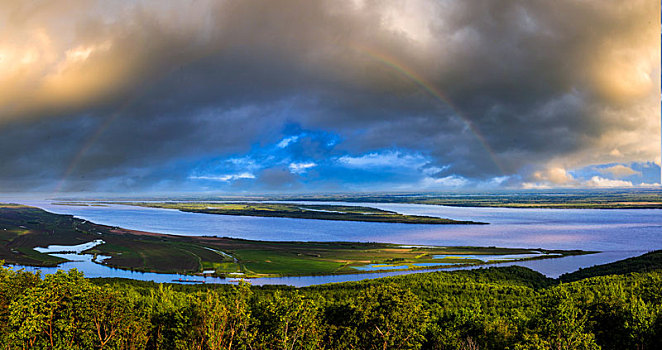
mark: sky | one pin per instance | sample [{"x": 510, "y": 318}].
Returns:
[{"x": 167, "y": 96}]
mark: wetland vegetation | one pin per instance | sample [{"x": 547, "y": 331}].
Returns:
[{"x": 23, "y": 228}]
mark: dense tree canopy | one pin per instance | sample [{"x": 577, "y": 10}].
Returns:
[{"x": 496, "y": 308}]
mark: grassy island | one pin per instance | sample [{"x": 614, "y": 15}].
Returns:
[{"x": 294, "y": 211}]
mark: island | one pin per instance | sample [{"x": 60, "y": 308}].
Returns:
[{"x": 293, "y": 211}]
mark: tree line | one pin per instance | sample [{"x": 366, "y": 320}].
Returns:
[{"x": 496, "y": 308}]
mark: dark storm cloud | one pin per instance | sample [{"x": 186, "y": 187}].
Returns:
[{"x": 121, "y": 93}]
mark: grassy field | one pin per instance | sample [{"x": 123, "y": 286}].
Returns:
[
  {"x": 632, "y": 198},
  {"x": 23, "y": 228},
  {"x": 623, "y": 198},
  {"x": 296, "y": 211},
  {"x": 571, "y": 199}
]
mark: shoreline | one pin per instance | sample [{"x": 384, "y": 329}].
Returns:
[{"x": 143, "y": 251}]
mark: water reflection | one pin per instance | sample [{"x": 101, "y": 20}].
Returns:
[
  {"x": 78, "y": 248},
  {"x": 495, "y": 257},
  {"x": 587, "y": 229},
  {"x": 618, "y": 234}
]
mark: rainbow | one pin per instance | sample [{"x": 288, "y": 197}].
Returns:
[
  {"x": 100, "y": 130},
  {"x": 426, "y": 86},
  {"x": 380, "y": 57},
  {"x": 86, "y": 147}
]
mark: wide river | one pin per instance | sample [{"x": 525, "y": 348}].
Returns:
[{"x": 616, "y": 233}]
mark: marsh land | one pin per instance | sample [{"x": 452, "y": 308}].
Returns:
[{"x": 23, "y": 228}]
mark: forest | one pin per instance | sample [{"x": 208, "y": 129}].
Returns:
[{"x": 493, "y": 308}]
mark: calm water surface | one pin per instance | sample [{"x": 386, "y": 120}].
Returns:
[{"x": 617, "y": 233}]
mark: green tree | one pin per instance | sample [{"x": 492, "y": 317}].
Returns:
[
  {"x": 340, "y": 320},
  {"x": 560, "y": 324},
  {"x": 639, "y": 322},
  {"x": 171, "y": 315},
  {"x": 52, "y": 315},
  {"x": 222, "y": 319},
  {"x": 117, "y": 319},
  {"x": 287, "y": 321},
  {"x": 390, "y": 317},
  {"x": 12, "y": 285}
]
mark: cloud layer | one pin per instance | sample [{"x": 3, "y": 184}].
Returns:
[{"x": 163, "y": 95}]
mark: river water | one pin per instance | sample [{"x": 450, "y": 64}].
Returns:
[{"x": 616, "y": 233}]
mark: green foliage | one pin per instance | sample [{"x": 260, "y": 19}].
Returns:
[
  {"x": 53, "y": 313},
  {"x": 223, "y": 319},
  {"x": 171, "y": 317},
  {"x": 496, "y": 308},
  {"x": 119, "y": 319},
  {"x": 65, "y": 311},
  {"x": 559, "y": 323},
  {"x": 12, "y": 284},
  {"x": 287, "y": 322},
  {"x": 390, "y": 317}
]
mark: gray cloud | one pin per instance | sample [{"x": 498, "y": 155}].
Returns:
[
  {"x": 98, "y": 91},
  {"x": 278, "y": 178}
]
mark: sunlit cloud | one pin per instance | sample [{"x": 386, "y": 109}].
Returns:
[
  {"x": 619, "y": 171},
  {"x": 597, "y": 181},
  {"x": 554, "y": 175}
]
